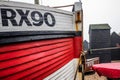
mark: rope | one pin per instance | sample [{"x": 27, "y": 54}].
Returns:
[{"x": 63, "y": 6}]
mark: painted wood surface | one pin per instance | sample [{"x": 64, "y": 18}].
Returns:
[
  {"x": 31, "y": 15},
  {"x": 34, "y": 60}
]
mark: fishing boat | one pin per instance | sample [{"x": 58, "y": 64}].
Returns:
[{"x": 39, "y": 42}]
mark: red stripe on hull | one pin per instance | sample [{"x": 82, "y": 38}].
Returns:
[
  {"x": 77, "y": 46},
  {"x": 35, "y": 60},
  {"x": 37, "y": 55}
]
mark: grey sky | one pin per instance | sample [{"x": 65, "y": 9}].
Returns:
[{"x": 95, "y": 12}]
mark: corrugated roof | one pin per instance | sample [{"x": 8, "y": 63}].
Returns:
[{"x": 99, "y": 26}]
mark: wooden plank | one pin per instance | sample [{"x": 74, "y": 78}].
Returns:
[
  {"x": 36, "y": 58},
  {"x": 30, "y": 58},
  {"x": 32, "y": 70}
]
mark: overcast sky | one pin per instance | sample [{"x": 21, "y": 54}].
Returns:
[{"x": 95, "y": 12}]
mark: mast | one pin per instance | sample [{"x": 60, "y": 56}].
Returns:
[{"x": 36, "y": 1}]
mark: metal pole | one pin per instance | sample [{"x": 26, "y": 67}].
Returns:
[{"x": 109, "y": 48}]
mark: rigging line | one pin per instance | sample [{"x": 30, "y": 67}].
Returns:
[{"x": 63, "y": 6}]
